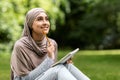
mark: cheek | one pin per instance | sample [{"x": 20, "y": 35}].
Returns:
[
  {"x": 36, "y": 28},
  {"x": 49, "y": 24},
  {"x": 36, "y": 25}
]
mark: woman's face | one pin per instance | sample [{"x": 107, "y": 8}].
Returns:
[{"x": 41, "y": 24}]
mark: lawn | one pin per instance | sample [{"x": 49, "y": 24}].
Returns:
[
  {"x": 4, "y": 66},
  {"x": 98, "y": 65}
]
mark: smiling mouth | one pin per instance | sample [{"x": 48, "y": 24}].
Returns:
[{"x": 45, "y": 27}]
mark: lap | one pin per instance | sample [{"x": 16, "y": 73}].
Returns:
[
  {"x": 50, "y": 74},
  {"x": 59, "y": 72},
  {"x": 63, "y": 72}
]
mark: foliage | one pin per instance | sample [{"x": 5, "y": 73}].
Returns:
[
  {"x": 91, "y": 24},
  {"x": 88, "y": 24},
  {"x": 12, "y": 15}
]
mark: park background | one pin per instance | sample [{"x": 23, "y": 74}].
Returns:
[{"x": 91, "y": 25}]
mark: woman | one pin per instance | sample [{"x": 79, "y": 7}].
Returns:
[{"x": 34, "y": 53}]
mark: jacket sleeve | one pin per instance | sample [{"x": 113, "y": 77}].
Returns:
[{"x": 45, "y": 65}]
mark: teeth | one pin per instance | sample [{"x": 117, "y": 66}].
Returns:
[{"x": 44, "y": 27}]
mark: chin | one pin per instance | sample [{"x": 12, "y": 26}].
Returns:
[{"x": 46, "y": 32}]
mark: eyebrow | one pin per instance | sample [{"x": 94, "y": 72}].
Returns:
[{"x": 41, "y": 16}]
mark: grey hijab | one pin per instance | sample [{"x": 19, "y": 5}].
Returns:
[{"x": 30, "y": 17}]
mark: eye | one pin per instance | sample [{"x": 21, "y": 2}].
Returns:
[
  {"x": 47, "y": 18},
  {"x": 39, "y": 18}
]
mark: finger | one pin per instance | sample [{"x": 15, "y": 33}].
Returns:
[{"x": 69, "y": 61}]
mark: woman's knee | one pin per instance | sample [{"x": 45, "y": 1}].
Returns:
[
  {"x": 65, "y": 74},
  {"x": 57, "y": 68}
]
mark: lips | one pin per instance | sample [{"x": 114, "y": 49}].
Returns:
[
  {"x": 45, "y": 30},
  {"x": 44, "y": 27}
]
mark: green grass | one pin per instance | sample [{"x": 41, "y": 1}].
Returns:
[
  {"x": 4, "y": 66},
  {"x": 98, "y": 65}
]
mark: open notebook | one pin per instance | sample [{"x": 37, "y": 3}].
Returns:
[{"x": 66, "y": 57}]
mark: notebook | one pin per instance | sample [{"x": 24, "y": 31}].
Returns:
[{"x": 66, "y": 57}]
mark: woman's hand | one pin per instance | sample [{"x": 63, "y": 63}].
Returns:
[
  {"x": 50, "y": 50},
  {"x": 69, "y": 61}
]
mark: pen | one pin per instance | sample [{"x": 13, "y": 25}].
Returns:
[{"x": 47, "y": 38}]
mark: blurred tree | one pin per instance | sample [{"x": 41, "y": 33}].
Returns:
[
  {"x": 12, "y": 15},
  {"x": 89, "y": 24},
  {"x": 9, "y": 24}
]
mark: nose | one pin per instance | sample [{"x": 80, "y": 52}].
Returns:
[{"x": 45, "y": 21}]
